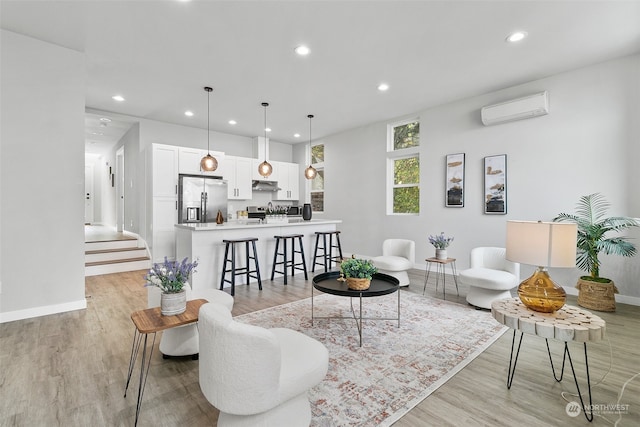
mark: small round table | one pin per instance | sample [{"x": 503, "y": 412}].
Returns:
[
  {"x": 440, "y": 264},
  {"x": 381, "y": 284},
  {"x": 567, "y": 324}
]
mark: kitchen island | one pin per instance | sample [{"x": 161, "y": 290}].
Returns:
[{"x": 203, "y": 242}]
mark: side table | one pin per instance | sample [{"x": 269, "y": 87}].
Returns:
[
  {"x": 567, "y": 324},
  {"x": 151, "y": 321},
  {"x": 440, "y": 266}
]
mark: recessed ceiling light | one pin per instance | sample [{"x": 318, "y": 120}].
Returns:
[
  {"x": 188, "y": 113},
  {"x": 382, "y": 87},
  {"x": 118, "y": 98},
  {"x": 302, "y": 50},
  {"x": 105, "y": 119},
  {"x": 267, "y": 129},
  {"x": 296, "y": 135},
  {"x": 516, "y": 36},
  {"x": 232, "y": 122}
]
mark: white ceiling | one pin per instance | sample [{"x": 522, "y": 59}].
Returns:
[{"x": 160, "y": 54}]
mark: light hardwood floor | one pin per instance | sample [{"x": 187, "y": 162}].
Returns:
[{"x": 69, "y": 369}]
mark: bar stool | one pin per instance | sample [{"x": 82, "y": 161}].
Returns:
[
  {"x": 236, "y": 271},
  {"x": 327, "y": 250},
  {"x": 286, "y": 261}
]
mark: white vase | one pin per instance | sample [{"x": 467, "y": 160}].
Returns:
[
  {"x": 172, "y": 304},
  {"x": 441, "y": 254}
]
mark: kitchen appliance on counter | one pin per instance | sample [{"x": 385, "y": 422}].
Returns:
[
  {"x": 259, "y": 212},
  {"x": 294, "y": 211},
  {"x": 200, "y": 198}
]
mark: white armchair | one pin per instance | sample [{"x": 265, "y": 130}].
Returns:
[
  {"x": 257, "y": 377},
  {"x": 183, "y": 340},
  {"x": 490, "y": 276},
  {"x": 398, "y": 256}
]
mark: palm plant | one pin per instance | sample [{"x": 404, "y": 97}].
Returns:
[{"x": 593, "y": 227}]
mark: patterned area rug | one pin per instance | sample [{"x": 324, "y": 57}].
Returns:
[{"x": 396, "y": 368}]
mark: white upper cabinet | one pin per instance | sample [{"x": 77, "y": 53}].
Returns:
[
  {"x": 165, "y": 170},
  {"x": 288, "y": 181},
  {"x": 189, "y": 161},
  {"x": 237, "y": 172}
]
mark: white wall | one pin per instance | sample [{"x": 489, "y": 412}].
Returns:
[
  {"x": 43, "y": 202},
  {"x": 588, "y": 143}
]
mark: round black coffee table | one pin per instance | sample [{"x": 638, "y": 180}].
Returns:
[{"x": 381, "y": 284}]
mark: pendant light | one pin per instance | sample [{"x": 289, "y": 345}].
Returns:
[
  {"x": 208, "y": 162},
  {"x": 265, "y": 168},
  {"x": 310, "y": 172}
]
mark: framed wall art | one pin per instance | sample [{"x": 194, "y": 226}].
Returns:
[
  {"x": 495, "y": 184},
  {"x": 455, "y": 181}
]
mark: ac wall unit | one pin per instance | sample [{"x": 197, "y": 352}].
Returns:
[{"x": 516, "y": 109}]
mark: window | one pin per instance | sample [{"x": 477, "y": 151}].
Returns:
[
  {"x": 404, "y": 168},
  {"x": 317, "y": 184}
]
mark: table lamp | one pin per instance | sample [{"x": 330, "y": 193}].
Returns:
[{"x": 543, "y": 244}]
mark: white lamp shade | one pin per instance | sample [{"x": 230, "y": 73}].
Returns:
[{"x": 544, "y": 244}]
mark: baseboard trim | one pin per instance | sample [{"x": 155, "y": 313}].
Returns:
[{"x": 46, "y": 310}]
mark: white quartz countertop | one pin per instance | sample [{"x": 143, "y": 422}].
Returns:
[{"x": 242, "y": 224}]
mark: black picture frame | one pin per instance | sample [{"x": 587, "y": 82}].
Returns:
[
  {"x": 495, "y": 185},
  {"x": 454, "y": 181}
]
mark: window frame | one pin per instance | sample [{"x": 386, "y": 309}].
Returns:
[
  {"x": 318, "y": 167},
  {"x": 392, "y": 156}
]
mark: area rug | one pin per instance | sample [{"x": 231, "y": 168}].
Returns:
[{"x": 396, "y": 368}]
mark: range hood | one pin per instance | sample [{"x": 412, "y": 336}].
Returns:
[{"x": 265, "y": 186}]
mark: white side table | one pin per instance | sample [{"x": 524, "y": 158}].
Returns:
[{"x": 567, "y": 324}]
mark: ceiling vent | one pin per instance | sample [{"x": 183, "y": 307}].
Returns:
[{"x": 517, "y": 109}]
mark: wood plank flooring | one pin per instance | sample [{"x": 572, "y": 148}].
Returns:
[{"x": 69, "y": 369}]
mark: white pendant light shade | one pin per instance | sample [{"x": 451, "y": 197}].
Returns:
[
  {"x": 208, "y": 162},
  {"x": 310, "y": 172},
  {"x": 264, "y": 168}
]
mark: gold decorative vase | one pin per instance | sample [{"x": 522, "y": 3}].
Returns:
[{"x": 540, "y": 293}]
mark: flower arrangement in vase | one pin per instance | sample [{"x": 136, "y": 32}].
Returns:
[
  {"x": 171, "y": 278},
  {"x": 441, "y": 243}
]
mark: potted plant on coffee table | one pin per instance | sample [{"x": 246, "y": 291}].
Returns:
[
  {"x": 358, "y": 273},
  {"x": 594, "y": 236},
  {"x": 171, "y": 277}
]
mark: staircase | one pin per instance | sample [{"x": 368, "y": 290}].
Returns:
[{"x": 114, "y": 256}]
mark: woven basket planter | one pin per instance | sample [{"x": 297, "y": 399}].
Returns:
[
  {"x": 358, "y": 284},
  {"x": 597, "y": 296}
]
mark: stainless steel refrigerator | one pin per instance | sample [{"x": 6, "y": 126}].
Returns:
[{"x": 200, "y": 198}]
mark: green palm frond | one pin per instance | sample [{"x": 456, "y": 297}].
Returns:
[{"x": 593, "y": 225}]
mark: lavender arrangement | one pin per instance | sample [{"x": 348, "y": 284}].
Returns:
[
  {"x": 170, "y": 276},
  {"x": 440, "y": 241}
]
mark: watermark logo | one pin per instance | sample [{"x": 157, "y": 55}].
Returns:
[{"x": 572, "y": 409}]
